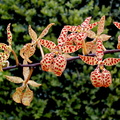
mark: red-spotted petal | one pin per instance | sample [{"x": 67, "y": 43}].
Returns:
[
  {"x": 47, "y": 61},
  {"x": 48, "y": 44},
  {"x": 70, "y": 39},
  {"x": 79, "y": 38},
  {"x": 111, "y": 61},
  {"x": 86, "y": 22},
  {"x": 101, "y": 25},
  {"x": 99, "y": 50},
  {"x": 96, "y": 78},
  {"x": 70, "y": 48},
  {"x": 89, "y": 60},
  {"x": 90, "y": 26},
  {"x": 9, "y": 34},
  {"x": 117, "y": 24},
  {"x": 107, "y": 78},
  {"x": 63, "y": 35},
  {"x": 59, "y": 65}
]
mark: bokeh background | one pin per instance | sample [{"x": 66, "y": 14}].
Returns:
[{"x": 70, "y": 96}]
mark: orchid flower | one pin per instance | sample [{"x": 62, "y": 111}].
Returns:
[
  {"x": 29, "y": 49},
  {"x": 6, "y": 48},
  {"x": 56, "y": 60},
  {"x": 91, "y": 46},
  {"x": 78, "y": 34},
  {"x": 23, "y": 93},
  {"x": 100, "y": 77},
  {"x": 118, "y": 26}
]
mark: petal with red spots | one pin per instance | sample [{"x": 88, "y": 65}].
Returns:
[
  {"x": 117, "y": 24},
  {"x": 48, "y": 44},
  {"x": 111, "y": 61},
  {"x": 89, "y": 60},
  {"x": 101, "y": 25},
  {"x": 59, "y": 65},
  {"x": 46, "y": 62}
]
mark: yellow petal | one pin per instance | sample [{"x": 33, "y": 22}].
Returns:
[
  {"x": 27, "y": 97},
  {"x": 17, "y": 96},
  {"x": 26, "y": 70},
  {"x": 33, "y": 83},
  {"x": 14, "y": 79},
  {"x": 32, "y": 33}
]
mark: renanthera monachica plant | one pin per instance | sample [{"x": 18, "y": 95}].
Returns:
[{"x": 71, "y": 39}]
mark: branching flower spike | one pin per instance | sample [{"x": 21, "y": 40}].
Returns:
[
  {"x": 56, "y": 60},
  {"x": 23, "y": 93},
  {"x": 91, "y": 46},
  {"x": 100, "y": 77},
  {"x": 29, "y": 49}
]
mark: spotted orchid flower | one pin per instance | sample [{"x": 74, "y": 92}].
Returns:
[
  {"x": 91, "y": 46},
  {"x": 23, "y": 93},
  {"x": 78, "y": 33},
  {"x": 6, "y": 48},
  {"x": 100, "y": 77},
  {"x": 29, "y": 49},
  {"x": 56, "y": 60},
  {"x": 117, "y": 24}
]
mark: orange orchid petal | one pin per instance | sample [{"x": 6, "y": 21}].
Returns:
[
  {"x": 47, "y": 61},
  {"x": 48, "y": 44},
  {"x": 117, "y": 24},
  {"x": 17, "y": 96},
  {"x": 107, "y": 78},
  {"x": 96, "y": 78},
  {"x": 9, "y": 34},
  {"x": 59, "y": 65},
  {"x": 89, "y": 60},
  {"x": 27, "y": 97},
  {"x": 101, "y": 79},
  {"x": 111, "y": 61},
  {"x": 70, "y": 48},
  {"x": 101, "y": 25}
]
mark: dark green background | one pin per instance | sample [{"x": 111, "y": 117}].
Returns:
[{"x": 71, "y": 96}]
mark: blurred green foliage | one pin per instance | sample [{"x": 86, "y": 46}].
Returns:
[{"x": 71, "y": 96}]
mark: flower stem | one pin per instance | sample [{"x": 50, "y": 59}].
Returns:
[{"x": 16, "y": 58}]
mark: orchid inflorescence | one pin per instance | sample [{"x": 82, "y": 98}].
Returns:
[{"x": 71, "y": 39}]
